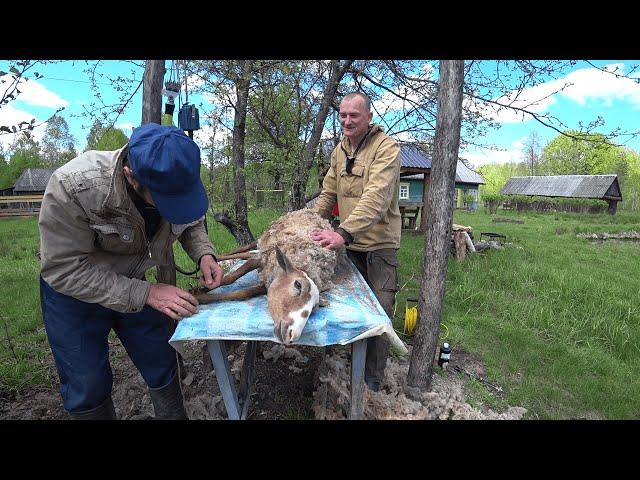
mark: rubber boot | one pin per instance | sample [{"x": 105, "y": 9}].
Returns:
[
  {"x": 106, "y": 411},
  {"x": 167, "y": 401}
]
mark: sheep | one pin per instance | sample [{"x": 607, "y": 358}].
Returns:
[{"x": 293, "y": 271}]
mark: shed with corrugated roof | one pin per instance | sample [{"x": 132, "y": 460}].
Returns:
[{"x": 600, "y": 187}]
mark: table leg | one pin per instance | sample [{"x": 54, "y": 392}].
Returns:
[
  {"x": 358, "y": 356},
  {"x": 247, "y": 378},
  {"x": 224, "y": 377}
]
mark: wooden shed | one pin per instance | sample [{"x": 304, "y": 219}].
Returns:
[
  {"x": 599, "y": 187},
  {"x": 26, "y": 194}
]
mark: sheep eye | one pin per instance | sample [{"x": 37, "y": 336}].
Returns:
[{"x": 298, "y": 285}]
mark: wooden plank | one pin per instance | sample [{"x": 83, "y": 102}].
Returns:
[{"x": 20, "y": 198}]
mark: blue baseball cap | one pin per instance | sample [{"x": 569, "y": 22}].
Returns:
[{"x": 167, "y": 162}]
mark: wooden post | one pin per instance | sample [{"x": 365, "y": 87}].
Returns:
[{"x": 425, "y": 201}]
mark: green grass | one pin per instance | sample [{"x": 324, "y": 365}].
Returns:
[{"x": 553, "y": 317}]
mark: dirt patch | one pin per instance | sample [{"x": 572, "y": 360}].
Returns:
[
  {"x": 291, "y": 383},
  {"x": 282, "y": 390}
]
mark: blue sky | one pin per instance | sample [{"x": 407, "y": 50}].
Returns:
[{"x": 588, "y": 94}]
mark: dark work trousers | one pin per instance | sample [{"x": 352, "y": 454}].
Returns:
[
  {"x": 78, "y": 335},
  {"x": 380, "y": 269}
]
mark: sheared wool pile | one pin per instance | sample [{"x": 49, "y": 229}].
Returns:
[
  {"x": 291, "y": 233},
  {"x": 396, "y": 401}
]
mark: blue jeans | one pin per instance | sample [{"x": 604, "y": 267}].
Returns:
[{"x": 78, "y": 335}]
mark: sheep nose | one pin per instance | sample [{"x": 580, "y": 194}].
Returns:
[
  {"x": 283, "y": 333},
  {"x": 290, "y": 335}
]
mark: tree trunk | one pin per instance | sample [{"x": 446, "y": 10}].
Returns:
[
  {"x": 152, "y": 91},
  {"x": 237, "y": 151},
  {"x": 241, "y": 233},
  {"x": 439, "y": 223},
  {"x": 338, "y": 71}
]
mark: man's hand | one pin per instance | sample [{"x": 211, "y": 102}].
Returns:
[
  {"x": 327, "y": 238},
  {"x": 211, "y": 272},
  {"x": 172, "y": 301}
]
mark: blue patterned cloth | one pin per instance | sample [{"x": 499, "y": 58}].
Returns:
[{"x": 353, "y": 313}]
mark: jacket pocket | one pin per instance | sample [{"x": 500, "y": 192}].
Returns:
[
  {"x": 116, "y": 238},
  {"x": 353, "y": 184},
  {"x": 382, "y": 270}
]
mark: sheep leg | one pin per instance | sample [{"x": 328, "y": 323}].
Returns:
[
  {"x": 241, "y": 255},
  {"x": 244, "y": 248},
  {"x": 204, "y": 298},
  {"x": 245, "y": 268}
]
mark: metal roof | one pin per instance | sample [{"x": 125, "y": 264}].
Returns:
[
  {"x": 463, "y": 175},
  {"x": 412, "y": 156},
  {"x": 582, "y": 186},
  {"x": 33, "y": 180}
]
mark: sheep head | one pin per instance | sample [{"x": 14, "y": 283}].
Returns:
[{"x": 291, "y": 297}]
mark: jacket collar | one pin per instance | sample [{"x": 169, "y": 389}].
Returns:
[
  {"x": 375, "y": 128},
  {"x": 118, "y": 198}
]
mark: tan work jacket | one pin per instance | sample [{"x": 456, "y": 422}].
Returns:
[
  {"x": 92, "y": 238},
  {"x": 368, "y": 197}
]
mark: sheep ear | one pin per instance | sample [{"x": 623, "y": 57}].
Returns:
[{"x": 283, "y": 261}]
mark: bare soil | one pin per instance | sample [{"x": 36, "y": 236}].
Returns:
[{"x": 291, "y": 383}]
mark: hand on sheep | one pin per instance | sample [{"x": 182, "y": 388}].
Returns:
[
  {"x": 211, "y": 272},
  {"x": 172, "y": 301},
  {"x": 327, "y": 238}
]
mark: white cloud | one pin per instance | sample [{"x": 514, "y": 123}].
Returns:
[
  {"x": 593, "y": 84},
  {"x": 390, "y": 102},
  {"x": 581, "y": 86},
  {"x": 126, "y": 127},
  {"x": 9, "y": 116},
  {"x": 483, "y": 156},
  {"x": 36, "y": 94},
  {"x": 203, "y": 136}
]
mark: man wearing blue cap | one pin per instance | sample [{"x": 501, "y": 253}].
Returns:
[{"x": 107, "y": 218}]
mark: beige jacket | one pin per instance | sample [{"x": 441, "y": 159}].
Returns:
[
  {"x": 368, "y": 197},
  {"x": 92, "y": 239}
]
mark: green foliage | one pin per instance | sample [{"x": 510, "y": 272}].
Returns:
[
  {"x": 494, "y": 197},
  {"x": 58, "y": 145},
  {"x": 496, "y": 176},
  {"x": 105, "y": 138},
  {"x": 25, "y": 154},
  {"x": 112, "y": 139}
]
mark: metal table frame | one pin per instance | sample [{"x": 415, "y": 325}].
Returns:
[{"x": 237, "y": 402}]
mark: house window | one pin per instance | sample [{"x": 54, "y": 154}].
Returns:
[{"x": 404, "y": 191}]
